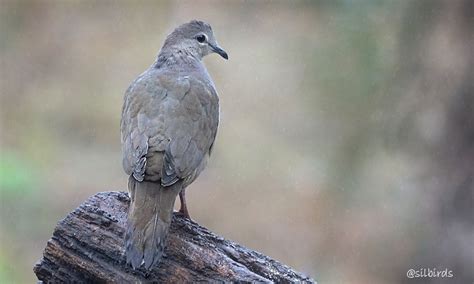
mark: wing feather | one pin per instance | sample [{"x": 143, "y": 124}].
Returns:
[{"x": 168, "y": 127}]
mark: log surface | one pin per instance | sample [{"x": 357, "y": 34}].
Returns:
[{"x": 87, "y": 246}]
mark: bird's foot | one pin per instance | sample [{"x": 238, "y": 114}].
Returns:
[{"x": 184, "y": 212}]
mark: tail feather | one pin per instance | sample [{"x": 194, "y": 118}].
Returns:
[{"x": 149, "y": 218}]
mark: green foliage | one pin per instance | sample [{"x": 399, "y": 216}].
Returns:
[
  {"x": 16, "y": 175},
  {"x": 6, "y": 271}
]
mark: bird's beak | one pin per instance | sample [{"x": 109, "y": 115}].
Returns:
[{"x": 219, "y": 51}]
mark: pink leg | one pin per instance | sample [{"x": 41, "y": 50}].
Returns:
[{"x": 184, "y": 209}]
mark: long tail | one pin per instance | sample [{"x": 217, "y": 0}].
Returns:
[{"x": 149, "y": 218}]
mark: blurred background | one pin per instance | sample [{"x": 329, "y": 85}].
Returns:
[{"x": 346, "y": 141}]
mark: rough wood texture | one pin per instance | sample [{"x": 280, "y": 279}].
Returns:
[{"x": 87, "y": 247}]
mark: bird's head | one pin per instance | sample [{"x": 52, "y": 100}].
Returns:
[{"x": 195, "y": 38}]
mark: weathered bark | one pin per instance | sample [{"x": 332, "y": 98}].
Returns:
[{"x": 87, "y": 247}]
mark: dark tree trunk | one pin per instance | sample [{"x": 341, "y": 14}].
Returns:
[{"x": 87, "y": 247}]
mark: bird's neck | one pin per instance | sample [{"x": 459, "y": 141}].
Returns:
[{"x": 177, "y": 58}]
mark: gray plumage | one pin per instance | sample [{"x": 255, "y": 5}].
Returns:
[{"x": 169, "y": 123}]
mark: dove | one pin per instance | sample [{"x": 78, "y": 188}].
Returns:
[{"x": 168, "y": 126}]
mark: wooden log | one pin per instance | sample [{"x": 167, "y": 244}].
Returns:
[{"x": 87, "y": 246}]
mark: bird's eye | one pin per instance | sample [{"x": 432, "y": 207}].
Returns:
[{"x": 201, "y": 38}]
